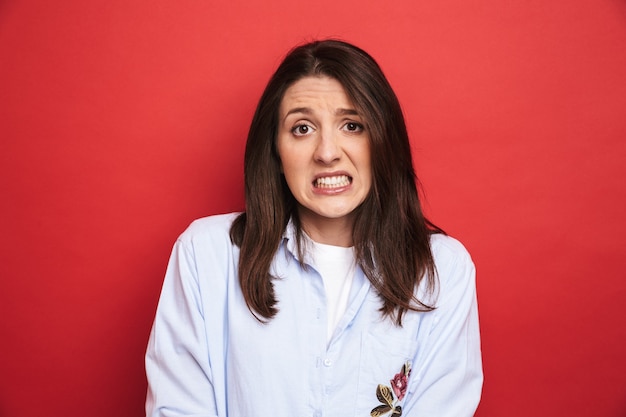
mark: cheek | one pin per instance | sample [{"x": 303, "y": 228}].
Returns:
[
  {"x": 366, "y": 162},
  {"x": 287, "y": 167},
  {"x": 292, "y": 171},
  {"x": 291, "y": 162}
]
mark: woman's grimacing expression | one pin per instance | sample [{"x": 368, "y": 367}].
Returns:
[{"x": 324, "y": 149}]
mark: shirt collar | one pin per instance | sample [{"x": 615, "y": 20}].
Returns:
[
  {"x": 290, "y": 240},
  {"x": 360, "y": 285},
  {"x": 289, "y": 236}
]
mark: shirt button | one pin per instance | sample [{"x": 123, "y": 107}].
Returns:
[{"x": 327, "y": 362}]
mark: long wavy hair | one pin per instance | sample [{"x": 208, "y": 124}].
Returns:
[{"x": 391, "y": 235}]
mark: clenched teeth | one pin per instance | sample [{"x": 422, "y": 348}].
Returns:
[{"x": 332, "y": 182}]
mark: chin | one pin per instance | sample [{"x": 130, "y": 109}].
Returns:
[{"x": 334, "y": 214}]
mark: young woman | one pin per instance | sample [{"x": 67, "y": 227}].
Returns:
[{"x": 331, "y": 295}]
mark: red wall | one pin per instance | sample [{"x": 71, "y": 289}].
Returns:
[{"x": 120, "y": 122}]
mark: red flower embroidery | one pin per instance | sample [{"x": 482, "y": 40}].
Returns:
[
  {"x": 384, "y": 394},
  {"x": 398, "y": 384}
]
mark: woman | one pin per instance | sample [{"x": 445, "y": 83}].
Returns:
[{"x": 331, "y": 295}]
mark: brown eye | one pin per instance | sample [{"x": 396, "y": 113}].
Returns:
[
  {"x": 301, "y": 130},
  {"x": 353, "y": 127}
]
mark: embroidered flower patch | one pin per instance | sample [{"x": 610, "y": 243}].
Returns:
[{"x": 385, "y": 394}]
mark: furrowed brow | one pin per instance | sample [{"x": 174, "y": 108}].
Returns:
[
  {"x": 347, "y": 112},
  {"x": 301, "y": 110}
]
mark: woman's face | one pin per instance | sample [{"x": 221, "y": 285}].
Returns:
[{"x": 324, "y": 148}]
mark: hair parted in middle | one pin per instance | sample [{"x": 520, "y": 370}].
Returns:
[{"x": 391, "y": 236}]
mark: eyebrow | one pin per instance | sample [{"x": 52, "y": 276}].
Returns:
[
  {"x": 303, "y": 110},
  {"x": 307, "y": 111}
]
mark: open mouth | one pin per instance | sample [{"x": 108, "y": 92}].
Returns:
[{"x": 332, "y": 182}]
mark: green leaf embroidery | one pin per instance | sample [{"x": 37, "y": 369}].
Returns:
[{"x": 384, "y": 395}]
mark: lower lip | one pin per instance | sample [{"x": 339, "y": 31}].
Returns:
[{"x": 331, "y": 191}]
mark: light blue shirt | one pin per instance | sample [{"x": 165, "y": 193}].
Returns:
[{"x": 209, "y": 356}]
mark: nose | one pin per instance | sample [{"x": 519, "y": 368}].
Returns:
[{"x": 327, "y": 149}]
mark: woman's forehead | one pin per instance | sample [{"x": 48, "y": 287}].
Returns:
[{"x": 313, "y": 93}]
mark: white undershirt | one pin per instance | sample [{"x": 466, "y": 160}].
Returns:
[{"x": 336, "y": 266}]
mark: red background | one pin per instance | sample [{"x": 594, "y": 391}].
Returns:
[{"x": 120, "y": 122}]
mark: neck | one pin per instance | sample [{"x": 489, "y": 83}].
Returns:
[{"x": 336, "y": 232}]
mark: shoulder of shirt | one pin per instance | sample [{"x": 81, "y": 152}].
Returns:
[
  {"x": 448, "y": 251},
  {"x": 455, "y": 268},
  {"x": 447, "y": 246},
  {"x": 214, "y": 228}
]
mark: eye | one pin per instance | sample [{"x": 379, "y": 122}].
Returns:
[
  {"x": 353, "y": 127},
  {"x": 301, "y": 129}
]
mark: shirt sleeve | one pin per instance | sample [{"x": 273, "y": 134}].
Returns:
[
  {"x": 447, "y": 376},
  {"x": 177, "y": 357}
]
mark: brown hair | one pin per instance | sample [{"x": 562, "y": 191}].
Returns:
[{"x": 391, "y": 235}]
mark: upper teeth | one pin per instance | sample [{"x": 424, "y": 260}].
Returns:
[{"x": 336, "y": 181}]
